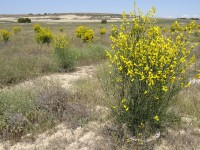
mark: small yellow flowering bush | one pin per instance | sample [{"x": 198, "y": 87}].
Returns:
[
  {"x": 84, "y": 33},
  {"x": 43, "y": 35},
  {"x": 37, "y": 28},
  {"x": 147, "y": 69},
  {"x": 114, "y": 31},
  {"x": 176, "y": 27},
  {"x": 5, "y": 35},
  {"x": 61, "y": 48},
  {"x": 16, "y": 29},
  {"x": 80, "y": 31},
  {"x": 88, "y": 36},
  {"x": 102, "y": 31}
]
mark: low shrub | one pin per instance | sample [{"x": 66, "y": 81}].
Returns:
[
  {"x": 37, "y": 28},
  {"x": 88, "y": 36},
  {"x": 16, "y": 29},
  {"x": 5, "y": 35},
  {"x": 84, "y": 33},
  {"x": 24, "y": 20},
  {"x": 61, "y": 29},
  {"x": 80, "y": 31},
  {"x": 104, "y": 21},
  {"x": 176, "y": 27},
  {"x": 102, "y": 31},
  {"x": 61, "y": 48},
  {"x": 43, "y": 35}
]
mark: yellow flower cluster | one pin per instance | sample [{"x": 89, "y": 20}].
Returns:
[
  {"x": 86, "y": 34},
  {"x": 126, "y": 108},
  {"x": 43, "y": 35},
  {"x": 149, "y": 65},
  {"x": 149, "y": 56},
  {"x": 102, "y": 31},
  {"x": 5, "y": 35},
  {"x": 176, "y": 27},
  {"x": 59, "y": 41},
  {"x": 156, "y": 118}
]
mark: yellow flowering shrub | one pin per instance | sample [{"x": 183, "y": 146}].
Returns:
[
  {"x": 176, "y": 27},
  {"x": 37, "y": 28},
  {"x": 84, "y": 33},
  {"x": 43, "y": 35},
  {"x": 5, "y": 35},
  {"x": 80, "y": 31},
  {"x": 147, "y": 68},
  {"x": 88, "y": 36},
  {"x": 102, "y": 31},
  {"x": 61, "y": 48},
  {"x": 16, "y": 29}
]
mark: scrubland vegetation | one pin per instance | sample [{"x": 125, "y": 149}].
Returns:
[{"x": 142, "y": 76}]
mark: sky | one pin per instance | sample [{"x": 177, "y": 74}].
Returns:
[{"x": 165, "y": 8}]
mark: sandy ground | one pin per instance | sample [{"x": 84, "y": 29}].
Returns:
[
  {"x": 61, "y": 18},
  {"x": 82, "y": 138}
]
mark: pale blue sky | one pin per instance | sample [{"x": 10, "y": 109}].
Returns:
[{"x": 165, "y": 8}]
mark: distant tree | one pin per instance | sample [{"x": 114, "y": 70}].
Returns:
[
  {"x": 24, "y": 20},
  {"x": 104, "y": 21}
]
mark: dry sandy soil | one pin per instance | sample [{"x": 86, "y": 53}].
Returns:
[{"x": 63, "y": 18}]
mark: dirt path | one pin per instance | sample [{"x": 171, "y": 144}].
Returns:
[{"x": 65, "y": 79}]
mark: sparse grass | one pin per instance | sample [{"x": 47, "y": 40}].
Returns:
[
  {"x": 31, "y": 109},
  {"x": 91, "y": 54},
  {"x": 188, "y": 102},
  {"x": 83, "y": 94},
  {"x": 23, "y": 58},
  {"x": 18, "y": 64},
  {"x": 36, "y": 109}
]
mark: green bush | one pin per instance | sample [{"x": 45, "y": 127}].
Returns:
[
  {"x": 61, "y": 29},
  {"x": 147, "y": 70},
  {"x": 24, "y": 20},
  {"x": 104, "y": 21}
]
